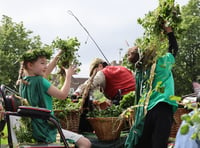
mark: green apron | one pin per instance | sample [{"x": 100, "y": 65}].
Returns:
[{"x": 137, "y": 128}]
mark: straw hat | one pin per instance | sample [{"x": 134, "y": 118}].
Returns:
[{"x": 94, "y": 64}]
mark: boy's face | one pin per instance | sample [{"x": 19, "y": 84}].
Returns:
[{"x": 133, "y": 55}]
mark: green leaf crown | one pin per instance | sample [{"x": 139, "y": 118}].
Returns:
[{"x": 32, "y": 55}]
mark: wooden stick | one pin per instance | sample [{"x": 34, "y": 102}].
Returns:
[{"x": 86, "y": 90}]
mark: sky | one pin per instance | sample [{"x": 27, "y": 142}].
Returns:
[{"x": 112, "y": 24}]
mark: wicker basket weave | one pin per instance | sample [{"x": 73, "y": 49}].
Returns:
[
  {"x": 177, "y": 121},
  {"x": 107, "y": 128},
  {"x": 70, "y": 121}
]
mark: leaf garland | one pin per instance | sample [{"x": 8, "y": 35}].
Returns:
[{"x": 32, "y": 55}]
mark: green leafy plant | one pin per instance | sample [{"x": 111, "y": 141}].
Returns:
[
  {"x": 112, "y": 111},
  {"x": 65, "y": 106},
  {"x": 98, "y": 95},
  {"x": 127, "y": 100},
  {"x": 68, "y": 113},
  {"x": 24, "y": 131},
  {"x": 191, "y": 120},
  {"x": 69, "y": 48},
  {"x": 168, "y": 14}
]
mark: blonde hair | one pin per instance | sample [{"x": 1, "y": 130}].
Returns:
[
  {"x": 21, "y": 74},
  {"x": 94, "y": 64}
]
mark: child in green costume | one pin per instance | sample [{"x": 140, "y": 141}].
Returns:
[{"x": 39, "y": 92}]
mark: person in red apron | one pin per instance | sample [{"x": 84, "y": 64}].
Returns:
[{"x": 114, "y": 81}]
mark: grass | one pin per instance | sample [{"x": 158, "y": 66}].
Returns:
[{"x": 3, "y": 138}]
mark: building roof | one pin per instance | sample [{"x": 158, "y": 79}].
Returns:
[{"x": 75, "y": 82}]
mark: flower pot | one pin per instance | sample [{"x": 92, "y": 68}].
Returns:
[
  {"x": 106, "y": 128},
  {"x": 101, "y": 105}
]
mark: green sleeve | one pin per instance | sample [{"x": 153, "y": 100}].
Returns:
[{"x": 46, "y": 84}]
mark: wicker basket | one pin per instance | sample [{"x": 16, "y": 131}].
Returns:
[
  {"x": 70, "y": 120},
  {"x": 177, "y": 121},
  {"x": 107, "y": 128}
]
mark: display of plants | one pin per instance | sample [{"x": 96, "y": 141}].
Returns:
[
  {"x": 68, "y": 113},
  {"x": 66, "y": 105},
  {"x": 108, "y": 122},
  {"x": 112, "y": 111}
]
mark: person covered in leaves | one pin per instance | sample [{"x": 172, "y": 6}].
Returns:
[
  {"x": 39, "y": 92},
  {"x": 113, "y": 81},
  {"x": 154, "y": 86}
]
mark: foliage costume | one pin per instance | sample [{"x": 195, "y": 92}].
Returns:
[{"x": 162, "y": 76}]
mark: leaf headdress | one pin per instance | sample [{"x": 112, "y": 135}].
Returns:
[{"x": 32, "y": 55}]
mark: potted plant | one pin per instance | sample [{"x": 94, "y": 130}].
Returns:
[
  {"x": 68, "y": 113},
  {"x": 108, "y": 123}
]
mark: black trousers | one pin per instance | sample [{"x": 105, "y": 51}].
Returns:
[{"x": 157, "y": 126}]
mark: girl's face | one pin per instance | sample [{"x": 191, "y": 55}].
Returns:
[{"x": 38, "y": 68}]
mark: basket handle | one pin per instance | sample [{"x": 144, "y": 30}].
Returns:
[{"x": 120, "y": 124}]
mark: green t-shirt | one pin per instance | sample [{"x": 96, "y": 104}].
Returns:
[
  {"x": 36, "y": 94},
  {"x": 163, "y": 75}
]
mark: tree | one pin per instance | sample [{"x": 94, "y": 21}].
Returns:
[
  {"x": 14, "y": 41},
  {"x": 187, "y": 67}
]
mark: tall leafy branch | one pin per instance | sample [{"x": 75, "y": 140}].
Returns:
[{"x": 154, "y": 38}]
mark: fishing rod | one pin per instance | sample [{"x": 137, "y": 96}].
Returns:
[{"x": 71, "y": 13}]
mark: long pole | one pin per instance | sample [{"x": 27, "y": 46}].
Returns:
[{"x": 71, "y": 13}]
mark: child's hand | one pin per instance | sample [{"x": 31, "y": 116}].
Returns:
[{"x": 71, "y": 70}]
